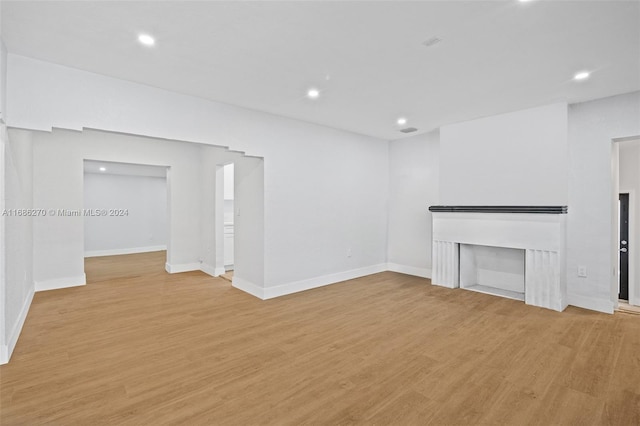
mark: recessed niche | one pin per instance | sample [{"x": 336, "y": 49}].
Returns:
[{"x": 494, "y": 270}]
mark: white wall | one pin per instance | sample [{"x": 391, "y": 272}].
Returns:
[
  {"x": 142, "y": 228},
  {"x": 4, "y": 352},
  {"x": 4, "y": 355},
  {"x": 325, "y": 196},
  {"x": 413, "y": 187},
  {"x": 18, "y": 191},
  {"x": 325, "y": 190},
  {"x": 228, "y": 193},
  {"x": 228, "y": 181},
  {"x": 57, "y": 184},
  {"x": 249, "y": 226},
  {"x": 3, "y": 79},
  {"x": 519, "y": 158},
  {"x": 629, "y": 168},
  {"x": 592, "y": 126}
]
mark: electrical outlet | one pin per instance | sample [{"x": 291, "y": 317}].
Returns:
[
  {"x": 582, "y": 271},
  {"x": 348, "y": 252}
]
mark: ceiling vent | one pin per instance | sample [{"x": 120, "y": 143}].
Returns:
[
  {"x": 432, "y": 41},
  {"x": 409, "y": 130}
]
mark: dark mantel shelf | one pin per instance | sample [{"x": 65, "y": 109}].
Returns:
[{"x": 500, "y": 209}]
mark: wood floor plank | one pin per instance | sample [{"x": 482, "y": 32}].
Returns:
[{"x": 138, "y": 346}]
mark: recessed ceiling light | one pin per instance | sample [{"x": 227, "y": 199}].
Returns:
[
  {"x": 582, "y": 75},
  {"x": 401, "y": 121},
  {"x": 313, "y": 93},
  {"x": 103, "y": 169},
  {"x": 146, "y": 39}
]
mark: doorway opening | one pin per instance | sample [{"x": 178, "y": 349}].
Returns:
[
  {"x": 626, "y": 218},
  {"x": 125, "y": 212},
  {"x": 228, "y": 223}
]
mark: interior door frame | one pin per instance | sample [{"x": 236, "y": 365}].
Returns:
[
  {"x": 634, "y": 292},
  {"x": 219, "y": 220}
]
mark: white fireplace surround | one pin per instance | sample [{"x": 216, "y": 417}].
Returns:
[{"x": 541, "y": 235}]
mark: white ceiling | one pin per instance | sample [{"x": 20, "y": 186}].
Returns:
[{"x": 366, "y": 57}]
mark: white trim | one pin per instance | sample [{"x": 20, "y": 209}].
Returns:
[
  {"x": 626, "y": 139},
  {"x": 409, "y": 270},
  {"x": 302, "y": 285},
  {"x": 210, "y": 270},
  {"x": 182, "y": 267},
  {"x": 297, "y": 286},
  {"x": 218, "y": 224},
  {"x": 116, "y": 252},
  {"x": 615, "y": 225},
  {"x": 59, "y": 283},
  {"x": 591, "y": 303},
  {"x": 7, "y": 350},
  {"x": 248, "y": 287}
]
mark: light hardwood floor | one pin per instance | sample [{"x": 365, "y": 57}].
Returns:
[{"x": 137, "y": 346}]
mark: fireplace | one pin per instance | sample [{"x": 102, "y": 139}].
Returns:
[
  {"x": 464, "y": 236},
  {"x": 493, "y": 270}
]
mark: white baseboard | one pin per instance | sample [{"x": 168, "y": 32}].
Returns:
[
  {"x": 210, "y": 270},
  {"x": 600, "y": 305},
  {"x": 182, "y": 267},
  {"x": 4, "y": 354},
  {"x": 116, "y": 252},
  {"x": 296, "y": 286},
  {"x": 248, "y": 287},
  {"x": 7, "y": 350},
  {"x": 409, "y": 270},
  {"x": 195, "y": 266},
  {"x": 59, "y": 283}
]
